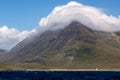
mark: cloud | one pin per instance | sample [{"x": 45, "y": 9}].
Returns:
[
  {"x": 10, "y": 37},
  {"x": 60, "y": 17},
  {"x": 92, "y": 17}
]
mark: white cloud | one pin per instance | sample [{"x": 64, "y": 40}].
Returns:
[
  {"x": 60, "y": 17},
  {"x": 10, "y": 37},
  {"x": 93, "y": 17}
]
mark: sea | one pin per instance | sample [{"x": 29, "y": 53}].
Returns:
[{"x": 59, "y": 75}]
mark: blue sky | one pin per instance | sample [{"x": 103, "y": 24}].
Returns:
[
  {"x": 26, "y": 14},
  {"x": 19, "y": 19}
]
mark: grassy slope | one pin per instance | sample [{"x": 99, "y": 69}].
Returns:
[
  {"x": 99, "y": 55},
  {"x": 80, "y": 49},
  {"x": 85, "y": 55}
]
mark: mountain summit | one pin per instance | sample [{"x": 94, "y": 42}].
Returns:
[{"x": 74, "y": 47}]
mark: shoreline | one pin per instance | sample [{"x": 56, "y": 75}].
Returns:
[{"x": 99, "y": 70}]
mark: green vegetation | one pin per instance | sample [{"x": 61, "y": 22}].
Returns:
[{"x": 74, "y": 47}]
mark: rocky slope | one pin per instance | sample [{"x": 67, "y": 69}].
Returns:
[
  {"x": 2, "y": 51},
  {"x": 74, "y": 47}
]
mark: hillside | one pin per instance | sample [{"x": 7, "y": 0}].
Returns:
[
  {"x": 2, "y": 51},
  {"x": 74, "y": 47}
]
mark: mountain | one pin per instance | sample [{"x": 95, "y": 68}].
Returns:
[
  {"x": 4, "y": 66},
  {"x": 2, "y": 51},
  {"x": 74, "y": 47}
]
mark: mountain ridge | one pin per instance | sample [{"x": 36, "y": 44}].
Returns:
[{"x": 74, "y": 47}]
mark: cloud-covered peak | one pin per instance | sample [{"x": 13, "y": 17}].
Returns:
[
  {"x": 60, "y": 17},
  {"x": 90, "y": 16}
]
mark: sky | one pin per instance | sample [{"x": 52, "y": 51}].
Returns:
[
  {"x": 20, "y": 18},
  {"x": 25, "y": 14}
]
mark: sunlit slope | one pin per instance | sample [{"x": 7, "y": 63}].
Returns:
[{"x": 73, "y": 47}]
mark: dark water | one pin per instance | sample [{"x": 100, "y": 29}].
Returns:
[{"x": 59, "y": 75}]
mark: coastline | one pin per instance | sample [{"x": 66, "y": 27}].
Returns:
[{"x": 51, "y": 70}]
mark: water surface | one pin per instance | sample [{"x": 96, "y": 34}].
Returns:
[{"x": 59, "y": 75}]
